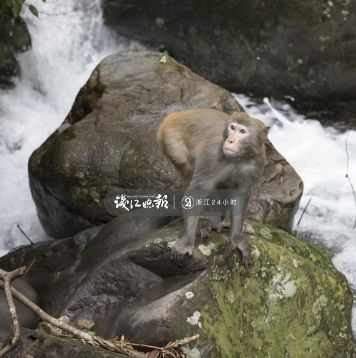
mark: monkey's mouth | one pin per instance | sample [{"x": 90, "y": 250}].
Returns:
[{"x": 228, "y": 152}]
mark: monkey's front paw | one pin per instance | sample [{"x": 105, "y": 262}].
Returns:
[{"x": 244, "y": 250}]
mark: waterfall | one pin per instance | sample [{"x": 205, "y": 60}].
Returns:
[{"x": 68, "y": 39}]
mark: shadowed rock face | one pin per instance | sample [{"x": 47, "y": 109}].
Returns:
[
  {"x": 304, "y": 49},
  {"x": 108, "y": 142},
  {"x": 124, "y": 279}
]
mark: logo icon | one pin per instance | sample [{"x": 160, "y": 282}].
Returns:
[{"x": 187, "y": 202}]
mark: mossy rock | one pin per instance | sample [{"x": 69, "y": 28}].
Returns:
[{"x": 291, "y": 302}]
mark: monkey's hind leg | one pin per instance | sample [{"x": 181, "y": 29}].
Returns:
[
  {"x": 197, "y": 189},
  {"x": 208, "y": 224},
  {"x": 176, "y": 150},
  {"x": 185, "y": 245}
]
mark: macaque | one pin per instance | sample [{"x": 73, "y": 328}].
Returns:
[
  {"x": 27, "y": 318},
  {"x": 215, "y": 151}
]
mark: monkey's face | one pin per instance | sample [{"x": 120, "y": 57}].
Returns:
[{"x": 235, "y": 135}]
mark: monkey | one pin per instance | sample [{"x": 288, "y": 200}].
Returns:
[
  {"x": 27, "y": 318},
  {"x": 213, "y": 150}
]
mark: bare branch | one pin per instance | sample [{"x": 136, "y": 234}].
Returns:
[
  {"x": 6, "y": 278},
  {"x": 24, "y": 234}
]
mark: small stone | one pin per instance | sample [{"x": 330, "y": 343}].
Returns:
[
  {"x": 194, "y": 320},
  {"x": 206, "y": 250},
  {"x": 189, "y": 295}
]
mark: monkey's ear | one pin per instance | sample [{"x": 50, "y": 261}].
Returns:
[{"x": 266, "y": 130}]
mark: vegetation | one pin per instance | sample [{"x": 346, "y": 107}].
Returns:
[
  {"x": 11, "y": 7},
  {"x": 14, "y": 39}
]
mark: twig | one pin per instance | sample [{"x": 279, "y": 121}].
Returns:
[
  {"x": 24, "y": 234},
  {"x": 167, "y": 350},
  {"x": 303, "y": 212},
  {"x": 182, "y": 342},
  {"x": 347, "y": 175},
  {"x": 159, "y": 350},
  {"x": 7, "y": 277}
]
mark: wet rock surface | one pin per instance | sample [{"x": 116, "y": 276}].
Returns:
[
  {"x": 108, "y": 143},
  {"x": 126, "y": 281}
]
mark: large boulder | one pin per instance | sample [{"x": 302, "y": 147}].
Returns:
[
  {"x": 304, "y": 49},
  {"x": 124, "y": 280},
  {"x": 108, "y": 142},
  {"x": 14, "y": 38}
]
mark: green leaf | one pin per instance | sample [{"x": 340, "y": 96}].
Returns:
[{"x": 33, "y": 10}]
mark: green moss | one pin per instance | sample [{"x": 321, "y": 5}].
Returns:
[
  {"x": 292, "y": 303},
  {"x": 11, "y": 7}
]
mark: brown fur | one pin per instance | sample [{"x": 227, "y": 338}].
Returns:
[{"x": 196, "y": 142}]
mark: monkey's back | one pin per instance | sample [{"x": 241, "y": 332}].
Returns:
[{"x": 183, "y": 135}]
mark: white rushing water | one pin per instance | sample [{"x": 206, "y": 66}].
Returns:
[
  {"x": 68, "y": 41},
  {"x": 326, "y": 161}
]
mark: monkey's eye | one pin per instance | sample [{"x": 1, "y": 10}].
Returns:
[
  {"x": 243, "y": 131},
  {"x": 233, "y": 126}
]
